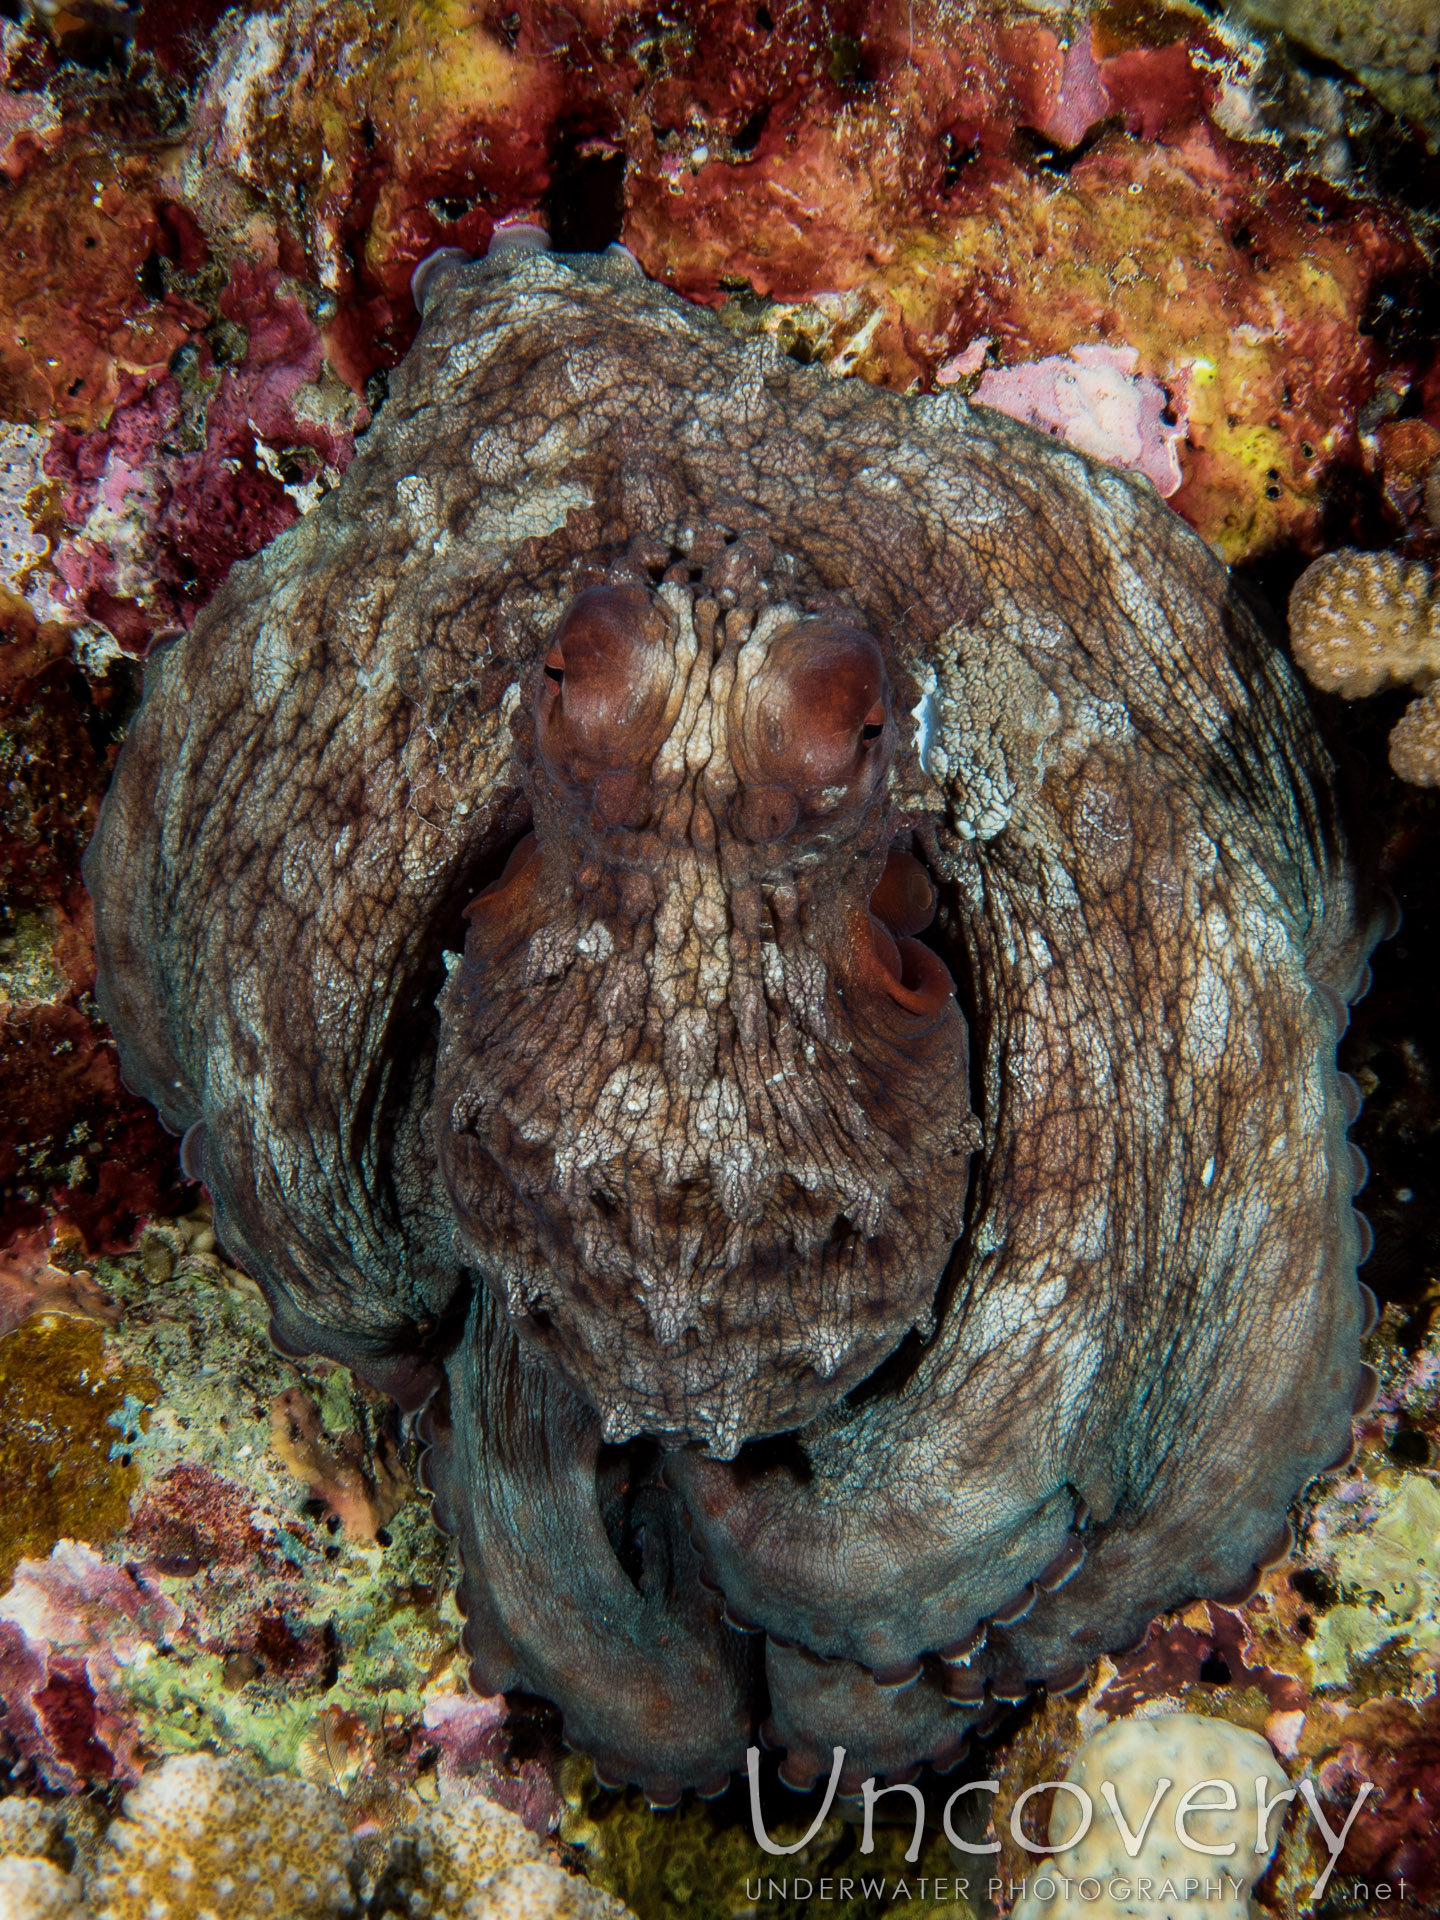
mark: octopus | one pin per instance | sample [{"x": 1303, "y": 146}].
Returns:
[{"x": 766, "y": 957}]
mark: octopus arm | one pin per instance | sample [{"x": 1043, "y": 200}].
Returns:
[{"x": 652, "y": 1683}]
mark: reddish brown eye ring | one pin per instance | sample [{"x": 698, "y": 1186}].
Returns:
[
  {"x": 603, "y": 685},
  {"x": 817, "y": 719}
]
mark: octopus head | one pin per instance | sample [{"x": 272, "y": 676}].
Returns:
[{"x": 702, "y": 1108}]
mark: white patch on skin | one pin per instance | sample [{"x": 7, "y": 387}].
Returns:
[
  {"x": 1207, "y": 1020},
  {"x": 415, "y": 498},
  {"x": 1107, "y": 720},
  {"x": 746, "y": 396},
  {"x": 1043, "y": 632},
  {"x": 925, "y": 716},
  {"x": 1002, "y": 1317},
  {"x": 805, "y": 981},
  {"x": 596, "y": 943},
  {"x": 955, "y": 498},
  {"x": 548, "y": 955},
  {"x": 772, "y": 970},
  {"x": 997, "y": 727},
  {"x": 275, "y": 661},
  {"x": 1041, "y": 957},
  {"x": 668, "y": 772},
  {"x": 591, "y": 372},
  {"x": 543, "y": 511},
  {"x": 468, "y": 356},
  {"x": 827, "y": 1347}
]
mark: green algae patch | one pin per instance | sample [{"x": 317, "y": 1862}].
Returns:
[
  {"x": 68, "y": 1404},
  {"x": 702, "y": 1862},
  {"x": 1392, "y": 1623}
]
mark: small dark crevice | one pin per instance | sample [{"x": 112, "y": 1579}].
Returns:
[
  {"x": 1051, "y": 155},
  {"x": 1411, "y": 1448},
  {"x": 1316, "y": 1589},
  {"x": 585, "y": 205},
  {"x": 448, "y": 208},
  {"x": 778, "y": 1452},
  {"x": 849, "y": 67},
  {"x": 1402, "y": 314},
  {"x": 622, "y": 1475},
  {"x": 331, "y": 1671},
  {"x": 891, "y": 1374},
  {"x": 377, "y": 391},
  {"x": 151, "y": 275},
  {"x": 532, "y": 1729},
  {"x": 748, "y": 138},
  {"x": 956, "y": 156}
]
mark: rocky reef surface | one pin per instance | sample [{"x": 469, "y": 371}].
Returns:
[{"x": 1195, "y": 241}]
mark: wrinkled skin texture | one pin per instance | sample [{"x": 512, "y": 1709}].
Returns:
[{"x": 516, "y": 883}]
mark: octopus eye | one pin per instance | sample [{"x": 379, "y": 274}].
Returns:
[
  {"x": 817, "y": 722},
  {"x": 604, "y": 682}
]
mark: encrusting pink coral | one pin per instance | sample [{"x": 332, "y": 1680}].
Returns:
[
  {"x": 67, "y": 1627},
  {"x": 1093, "y": 398}
]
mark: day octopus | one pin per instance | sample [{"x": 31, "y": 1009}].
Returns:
[{"x": 771, "y": 954}]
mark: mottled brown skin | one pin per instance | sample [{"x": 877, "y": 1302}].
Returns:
[
  {"x": 680, "y": 686},
  {"x": 702, "y": 1113}
]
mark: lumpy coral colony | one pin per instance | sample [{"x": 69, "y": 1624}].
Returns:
[{"x": 773, "y": 953}]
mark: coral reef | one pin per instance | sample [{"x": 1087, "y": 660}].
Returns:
[
  {"x": 1363, "y": 621},
  {"x": 223, "y": 1604},
  {"x": 209, "y": 223},
  {"x": 1126, "y": 1770},
  {"x": 1391, "y": 46},
  {"x": 204, "y": 1839},
  {"x": 477, "y": 1862},
  {"x": 65, "y": 1398},
  {"x": 199, "y": 1835}
]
